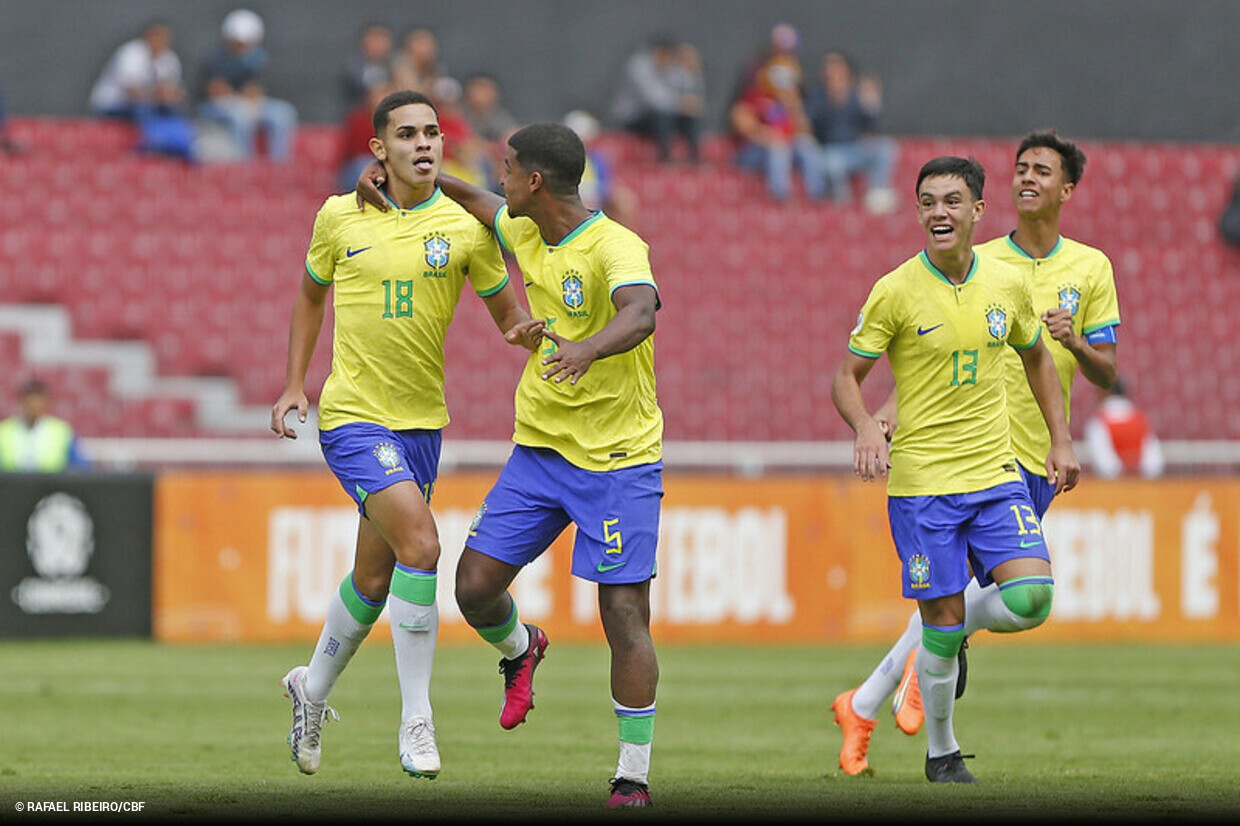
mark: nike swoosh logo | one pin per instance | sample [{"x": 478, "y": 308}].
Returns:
[
  {"x": 350, "y": 252},
  {"x": 415, "y": 626},
  {"x": 921, "y": 331},
  {"x": 604, "y": 568},
  {"x": 1027, "y": 544},
  {"x": 529, "y": 283}
]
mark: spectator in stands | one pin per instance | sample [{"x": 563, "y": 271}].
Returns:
[
  {"x": 1119, "y": 439},
  {"x": 769, "y": 125},
  {"x": 369, "y": 66},
  {"x": 355, "y": 133},
  {"x": 417, "y": 66},
  {"x": 142, "y": 82},
  {"x": 662, "y": 95},
  {"x": 490, "y": 121},
  {"x": 34, "y": 441},
  {"x": 235, "y": 97},
  {"x": 142, "y": 76},
  {"x": 843, "y": 111},
  {"x": 599, "y": 188},
  {"x": 464, "y": 154}
]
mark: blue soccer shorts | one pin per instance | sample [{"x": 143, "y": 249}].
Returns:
[
  {"x": 367, "y": 458},
  {"x": 1041, "y": 491},
  {"x": 539, "y": 493},
  {"x": 944, "y": 540}
]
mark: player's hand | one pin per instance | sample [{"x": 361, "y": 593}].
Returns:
[
  {"x": 1058, "y": 323},
  {"x": 1063, "y": 469},
  {"x": 570, "y": 360},
  {"x": 289, "y": 401},
  {"x": 368, "y": 182},
  {"x": 528, "y": 334},
  {"x": 871, "y": 459}
]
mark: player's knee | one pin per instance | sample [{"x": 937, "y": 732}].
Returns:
[
  {"x": 420, "y": 550},
  {"x": 1029, "y": 598}
]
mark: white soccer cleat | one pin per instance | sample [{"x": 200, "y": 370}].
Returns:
[
  {"x": 419, "y": 756},
  {"x": 308, "y": 720}
]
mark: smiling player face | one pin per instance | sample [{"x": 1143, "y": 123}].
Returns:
[
  {"x": 411, "y": 146},
  {"x": 1039, "y": 185},
  {"x": 948, "y": 213}
]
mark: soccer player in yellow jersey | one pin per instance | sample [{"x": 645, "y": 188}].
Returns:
[
  {"x": 396, "y": 278},
  {"x": 958, "y": 507},
  {"x": 1073, "y": 286},
  {"x": 588, "y": 435}
]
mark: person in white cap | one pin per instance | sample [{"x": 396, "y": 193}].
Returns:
[{"x": 235, "y": 97}]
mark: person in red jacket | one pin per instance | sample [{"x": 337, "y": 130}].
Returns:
[{"x": 1119, "y": 439}]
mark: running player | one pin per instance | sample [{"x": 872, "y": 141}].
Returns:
[
  {"x": 956, "y": 501},
  {"x": 397, "y": 278},
  {"x": 588, "y": 435},
  {"x": 1074, "y": 285}
]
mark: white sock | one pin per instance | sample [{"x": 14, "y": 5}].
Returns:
[
  {"x": 634, "y": 762},
  {"x": 937, "y": 678},
  {"x": 636, "y": 737},
  {"x": 415, "y": 629},
  {"x": 984, "y": 609},
  {"x": 339, "y": 640},
  {"x": 885, "y": 679},
  {"x": 516, "y": 643}
]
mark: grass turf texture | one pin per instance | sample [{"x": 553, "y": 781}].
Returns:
[{"x": 1119, "y": 732}]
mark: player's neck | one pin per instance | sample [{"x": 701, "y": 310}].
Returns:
[
  {"x": 954, "y": 264},
  {"x": 560, "y": 218},
  {"x": 408, "y": 196},
  {"x": 1037, "y": 236}
]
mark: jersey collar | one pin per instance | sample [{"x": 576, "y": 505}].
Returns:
[
  {"x": 1015, "y": 247},
  {"x": 595, "y": 216},
  {"x": 422, "y": 205},
  {"x": 925, "y": 259}
]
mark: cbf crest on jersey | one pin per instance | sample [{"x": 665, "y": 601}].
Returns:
[
  {"x": 1069, "y": 298},
  {"x": 573, "y": 290},
  {"x": 437, "y": 247},
  {"x": 996, "y": 322}
]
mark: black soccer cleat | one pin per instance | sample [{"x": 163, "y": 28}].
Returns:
[
  {"x": 962, "y": 665},
  {"x": 948, "y": 769}
]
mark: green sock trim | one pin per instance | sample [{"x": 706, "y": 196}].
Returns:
[
  {"x": 498, "y": 633},
  {"x": 362, "y": 609},
  {"x": 413, "y": 585},
  {"x": 943, "y": 642},
  {"x": 636, "y": 729},
  {"x": 1028, "y": 597}
]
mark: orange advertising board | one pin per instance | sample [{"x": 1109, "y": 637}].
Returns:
[{"x": 256, "y": 556}]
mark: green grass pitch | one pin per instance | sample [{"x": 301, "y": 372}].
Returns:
[{"x": 1116, "y": 732}]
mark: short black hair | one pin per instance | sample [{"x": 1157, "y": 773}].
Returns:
[
  {"x": 1072, "y": 157},
  {"x": 34, "y": 387},
  {"x": 969, "y": 169},
  {"x": 395, "y": 100},
  {"x": 553, "y": 150}
]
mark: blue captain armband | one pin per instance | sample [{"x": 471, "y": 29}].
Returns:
[{"x": 1103, "y": 335}]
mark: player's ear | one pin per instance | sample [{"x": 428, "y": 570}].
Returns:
[
  {"x": 378, "y": 149},
  {"x": 536, "y": 181}
]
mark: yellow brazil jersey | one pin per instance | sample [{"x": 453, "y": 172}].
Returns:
[
  {"x": 1076, "y": 277},
  {"x": 610, "y": 418},
  {"x": 946, "y": 344},
  {"x": 396, "y": 278}
]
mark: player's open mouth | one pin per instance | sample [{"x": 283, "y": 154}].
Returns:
[
  {"x": 1028, "y": 193},
  {"x": 424, "y": 164},
  {"x": 941, "y": 231}
]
